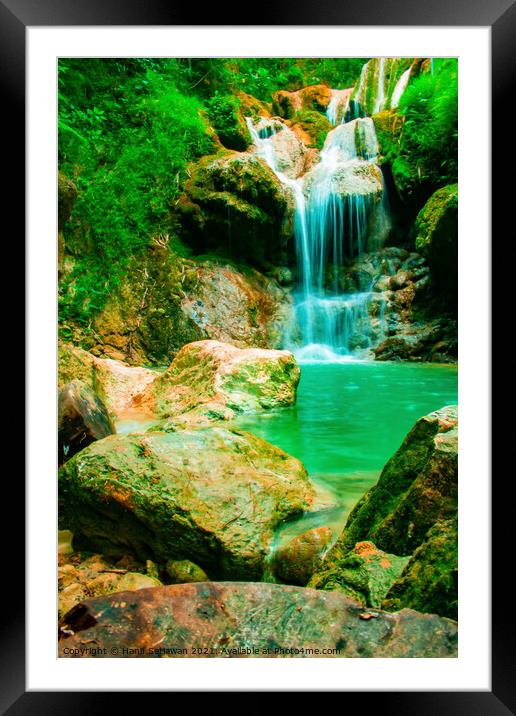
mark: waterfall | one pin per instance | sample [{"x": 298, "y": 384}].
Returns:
[
  {"x": 400, "y": 88},
  {"x": 338, "y": 204},
  {"x": 338, "y": 105}
]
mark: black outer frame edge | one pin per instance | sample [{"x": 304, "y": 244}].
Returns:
[
  {"x": 286, "y": 12},
  {"x": 503, "y": 43},
  {"x": 12, "y": 118},
  {"x": 158, "y": 12}
]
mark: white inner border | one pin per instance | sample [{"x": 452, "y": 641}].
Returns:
[{"x": 471, "y": 670}]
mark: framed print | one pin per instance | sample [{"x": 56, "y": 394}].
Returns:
[{"x": 246, "y": 350}]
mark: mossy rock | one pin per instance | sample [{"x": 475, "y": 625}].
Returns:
[
  {"x": 295, "y": 561},
  {"x": 314, "y": 124},
  {"x": 235, "y": 205},
  {"x": 183, "y": 571},
  {"x": 388, "y": 127},
  {"x": 429, "y": 582},
  {"x": 213, "y": 496},
  {"x": 211, "y": 374},
  {"x": 416, "y": 489},
  {"x": 364, "y": 574},
  {"x": 437, "y": 239}
]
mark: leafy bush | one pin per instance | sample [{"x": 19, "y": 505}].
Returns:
[
  {"x": 127, "y": 155},
  {"x": 224, "y": 117},
  {"x": 428, "y": 147}
]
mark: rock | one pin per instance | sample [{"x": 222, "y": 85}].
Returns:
[
  {"x": 213, "y": 496},
  {"x": 388, "y": 127},
  {"x": 417, "y": 488},
  {"x": 289, "y": 150},
  {"x": 236, "y": 206},
  {"x": 287, "y": 104},
  {"x": 296, "y": 561},
  {"x": 74, "y": 363},
  {"x": 364, "y": 574},
  {"x": 211, "y": 372},
  {"x": 252, "y": 107},
  {"x": 82, "y": 418},
  {"x": 241, "y": 307},
  {"x": 66, "y": 196},
  {"x": 437, "y": 240},
  {"x": 81, "y": 578},
  {"x": 311, "y": 128},
  {"x": 120, "y": 384},
  {"x": 115, "y": 383},
  {"x": 143, "y": 321},
  {"x": 429, "y": 581},
  {"x": 64, "y": 542},
  {"x": 353, "y": 177},
  {"x": 248, "y": 620},
  {"x": 183, "y": 571}
]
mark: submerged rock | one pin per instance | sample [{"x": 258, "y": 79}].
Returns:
[
  {"x": 296, "y": 561},
  {"x": 364, "y": 574},
  {"x": 82, "y": 419},
  {"x": 214, "y": 373},
  {"x": 430, "y": 580},
  {"x": 248, "y": 620},
  {"x": 213, "y": 496}
]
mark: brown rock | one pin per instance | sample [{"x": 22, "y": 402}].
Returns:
[
  {"x": 82, "y": 419},
  {"x": 295, "y": 562},
  {"x": 248, "y": 620}
]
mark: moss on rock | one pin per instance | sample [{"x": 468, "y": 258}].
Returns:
[
  {"x": 430, "y": 579},
  {"x": 364, "y": 574},
  {"x": 212, "y": 496}
]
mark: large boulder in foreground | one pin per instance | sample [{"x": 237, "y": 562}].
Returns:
[
  {"x": 437, "y": 240},
  {"x": 212, "y": 496},
  {"x": 364, "y": 574},
  {"x": 82, "y": 419},
  {"x": 417, "y": 488},
  {"x": 430, "y": 580},
  {"x": 236, "y": 206},
  {"x": 248, "y": 620},
  {"x": 215, "y": 373}
]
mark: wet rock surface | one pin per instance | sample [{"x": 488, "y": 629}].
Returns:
[
  {"x": 295, "y": 562},
  {"x": 236, "y": 205},
  {"x": 214, "y": 373},
  {"x": 364, "y": 574},
  {"x": 82, "y": 419},
  {"x": 248, "y": 620},
  {"x": 213, "y": 496}
]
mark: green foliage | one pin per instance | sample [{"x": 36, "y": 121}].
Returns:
[
  {"x": 223, "y": 115},
  {"x": 126, "y": 135},
  {"x": 428, "y": 147}
]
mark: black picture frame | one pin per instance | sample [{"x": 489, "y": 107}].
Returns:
[{"x": 500, "y": 16}]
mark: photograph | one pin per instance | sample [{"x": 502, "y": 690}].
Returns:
[{"x": 257, "y": 409}]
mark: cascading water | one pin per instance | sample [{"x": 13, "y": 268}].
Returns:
[
  {"x": 400, "y": 88},
  {"x": 339, "y": 203}
]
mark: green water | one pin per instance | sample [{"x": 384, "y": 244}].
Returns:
[{"x": 349, "y": 419}]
